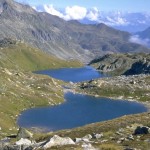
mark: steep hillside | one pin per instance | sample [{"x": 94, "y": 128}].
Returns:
[
  {"x": 127, "y": 64},
  {"x": 20, "y": 56},
  {"x": 61, "y": 38}
]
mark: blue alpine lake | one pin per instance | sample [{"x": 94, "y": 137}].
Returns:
[
  {"x": 78, "y": 109},
  {"x": 73, "y": 74}
]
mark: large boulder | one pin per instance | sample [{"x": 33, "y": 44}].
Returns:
[{"x": 58, "y": 141}]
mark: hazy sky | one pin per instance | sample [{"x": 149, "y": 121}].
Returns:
[{"x": 104, "y": 5}]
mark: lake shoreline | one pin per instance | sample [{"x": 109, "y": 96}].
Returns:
[
  {"x": 146, "y": 104},
  {"x": 46, "y": 130},
  {"x": 85, "y": 104},
  {"x": 70, "y": 87},
  {"x": 136, "y": 88},
  {"x": 75, "y": 91}
]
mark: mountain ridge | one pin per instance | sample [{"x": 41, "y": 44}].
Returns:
[{"x": 66, "y": 40}]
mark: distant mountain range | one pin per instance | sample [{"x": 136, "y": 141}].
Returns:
[
  {"x": 64, "y": 39},
  {"x": 126, "y": 21}
]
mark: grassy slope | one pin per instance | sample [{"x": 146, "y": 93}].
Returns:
[
  {"x": 20, "y": 89},
  {"x": 22, "y": 56}
]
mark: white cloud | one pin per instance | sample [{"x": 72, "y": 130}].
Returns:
[
  {"x": 70, "y": 13},
  {"x": 79, "y": 13},
  {"x": 93, "y": 14},
  {"x": 138, "y": 40},
  {"x": 75, "y": 13},
  {"x": 113, "y": 18}
]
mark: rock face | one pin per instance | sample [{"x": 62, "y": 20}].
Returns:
[
  {"x": 64, "y": 39},
  {"x": 127, "y": 64},
  {"x": 58, "y": 141}
]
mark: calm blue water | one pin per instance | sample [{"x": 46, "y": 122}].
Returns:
[
  {"x": 73, "y": 74},
  {"x": 78, "y": 109}
]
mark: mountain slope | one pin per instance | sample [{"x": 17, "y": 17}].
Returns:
[{"x": 58, "y": 37}]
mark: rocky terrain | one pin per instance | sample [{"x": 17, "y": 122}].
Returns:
[
  {"x": 64, "y": 39},
  {"x": 135, "y": 87},
  {"x": 127, "y": 64}
]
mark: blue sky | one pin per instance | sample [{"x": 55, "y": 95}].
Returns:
[{"x": 103, "y": 5}]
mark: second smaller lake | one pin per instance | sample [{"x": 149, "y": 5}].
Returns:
[{"x": 73, "y": 74}]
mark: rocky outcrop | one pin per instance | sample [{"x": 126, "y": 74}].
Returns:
[{"x": 127, "y": 64}]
